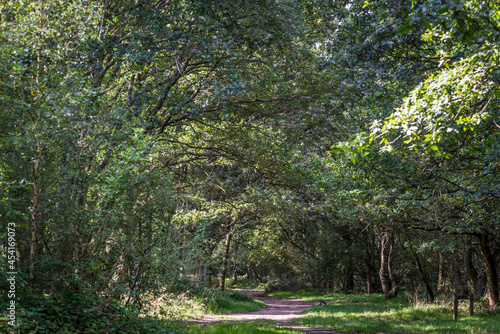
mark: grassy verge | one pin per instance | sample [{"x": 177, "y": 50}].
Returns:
[
  {"x": 244, "y": 283},
  {"x": 195, "y": 303},
  {"x": 240, "y": 307},
  {"x": 374, "y": 314},
  {"x": 232, "y": 328}
]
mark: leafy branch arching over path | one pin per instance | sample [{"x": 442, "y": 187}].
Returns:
[{"x": 280, "y": 311}]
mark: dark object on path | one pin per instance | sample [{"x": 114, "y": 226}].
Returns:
[{"x": 321, "y": 302}]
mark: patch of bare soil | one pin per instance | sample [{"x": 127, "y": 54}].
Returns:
[{"x": 279, "y": 311}]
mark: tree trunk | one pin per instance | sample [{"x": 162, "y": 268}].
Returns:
[
  {"x": 235, "y": 272},
  {"x": 235, "y": 264},
  {"x": 255, "y": 274},
  {"x": 383, "y": 265},
  {"x": 459, "y": 285},
  {"x": 34, "y": 213},
  {"x": 428, "y": 290},
  {"x": 202, "y": 274},
  {"x": 491, "y": 269},
  {"x": 368, "y": 263},
  {"x": 440, "y": 273},
  {"x": 469, "y": 266},
  {"x": 394, "y": 283},
  {"x": 349, "y": 278},
  {"x": 304, "y": 239},
  {"x": 227, "y": 244},
  {"x": 481, "y": 285}
]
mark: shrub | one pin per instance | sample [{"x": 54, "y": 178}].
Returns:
[{"x": 290, "y": 284}]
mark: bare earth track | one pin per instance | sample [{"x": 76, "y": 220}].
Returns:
[{"x": 279, "y": 311}]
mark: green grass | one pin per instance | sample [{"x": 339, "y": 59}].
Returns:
[
  {"x": 182, "y": 306},
  {"x": 244, "y": 283},
  {"x": 239, "y": 307},
  {"x": 317, "y": 295},
  {"x": 374, "y": 314},
  {"x": 232, "y": 328}
]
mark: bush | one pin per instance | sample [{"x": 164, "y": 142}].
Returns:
[
  {"x": 182, "y": 299},
  {"x": 76, "y": 313},
  {"x": 244, "y": 283},
  {"x": 239, "y": 296},
  {"x": 290, "y": 284}
]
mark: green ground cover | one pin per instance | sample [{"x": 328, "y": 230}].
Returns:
[
  {"x": 198, "y": 302},
  {"x": 374, "y": 314},
  {"x": 232, "y": 328},
  {"x": 244, "y": 283}
]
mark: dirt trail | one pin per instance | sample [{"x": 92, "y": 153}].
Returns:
[{"x": 280, "y": 311}]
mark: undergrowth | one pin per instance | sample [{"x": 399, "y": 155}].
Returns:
[
  {"x": 85, "y": 311},
  {"x": 183, "y": 300},
  {"x": 194, "y": 304},
  {"x": 72, "y": 312},
  {"x": 244, "y": 283},
  {"x": 234, "y": 328},
  {"x": 372, "y": 313}
]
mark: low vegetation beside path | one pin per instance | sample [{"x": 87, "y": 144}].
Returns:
[
  {"x": 195, "y": 302},
  {"x": 363, "y": 313},
  {"x": 233, "y": 328}
]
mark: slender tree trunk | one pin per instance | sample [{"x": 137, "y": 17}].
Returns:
[
  {"x": 34, "y": 213},
  {"x": 201, "y": 273},
  {"x": 235, "y": 272},
  {"x": 235, "y": 264},
  {"x": 394, "y": 283},
  {"x": 227, "y": 245},
  {"x": 481, "y": 285},
  {"x": 383, "y": 265},
  {"x": 440, "y": 273},
  {"x": 255, "y": 274},
  {"x": 304, "y": 239},
  {"x": 428, "y": 290},
  {"x": 469, "y": 266},
  {"x": 491, "y": 269},
  {"x": 349, "y": 278},
  {"x": 459, "y": 284},
  {"x": 368, "y": 263}
]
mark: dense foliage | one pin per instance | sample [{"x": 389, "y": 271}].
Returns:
[{"x": 150, "y": 148}]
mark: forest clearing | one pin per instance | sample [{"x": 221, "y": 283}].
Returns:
[{"x": 249, "y": 166}]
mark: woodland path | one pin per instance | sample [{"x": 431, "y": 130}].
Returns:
[{"x": 279, "y": 312}]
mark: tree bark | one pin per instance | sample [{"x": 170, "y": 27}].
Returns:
[
  {"x": 235, "y": 272},
  {"x": 368, "y": 263},
  {"x": 459, "y": 284},
  {"x": 394, "y": 283},
  {"x": 34, "y": 213},
  {"x": 428, "y": 290},
  {"x": 383, "y": 265},
  {"x": 469, "y": 266},
  {"x": 227, "y": 245},
  {"x": 304, "y": 238},
  {"x": 202, "y": 273},
  {"x": 440, "y": 284},
  {"x": 481, "y": 285},
  {"x": 255, "y": 274},
  {"x": 491, "y": 269}
]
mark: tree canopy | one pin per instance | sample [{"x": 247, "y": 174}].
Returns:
[{"x": 162, "y": 146}]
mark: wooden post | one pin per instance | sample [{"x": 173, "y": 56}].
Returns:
[
  {"x": 471, "y": 306},
  {"x": 456, "y": 298},
  {"x": 455, "y": 307}
]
